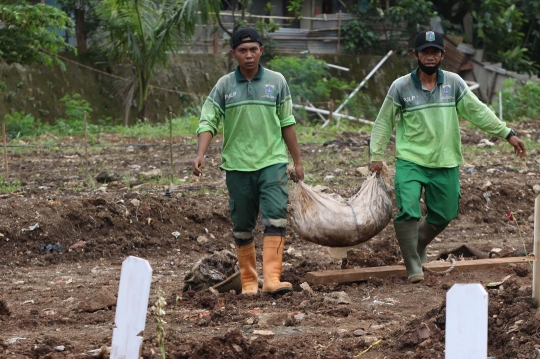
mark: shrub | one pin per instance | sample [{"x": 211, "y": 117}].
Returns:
[
  {"x": 520, "y": 102},
  {"x": 308, "y": 78},
  {"x": 19, "y": 124}
]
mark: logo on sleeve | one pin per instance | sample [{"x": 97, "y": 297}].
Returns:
[{"x": 269, "y": 89}]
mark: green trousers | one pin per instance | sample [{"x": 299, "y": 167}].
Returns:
[
  {"x": 265, "y": 188},
  {"x": 441, "y": 193}
]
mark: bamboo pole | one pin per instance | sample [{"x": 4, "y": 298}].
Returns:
[
  {"x": 85, "y": 145},
  {"x": 364, "y": 81},
  {"x": 326, "y": 112},
  {"x": 5, "y": 151},
  {"x": 216, "y": 39},
  {"x": 338, "y": 30},
  {"x": 536, "y": 266},
  {"x": 170, "y": 146}
]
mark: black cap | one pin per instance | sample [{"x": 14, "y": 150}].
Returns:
[
  {"x": 428, "y": 39},
  {"x": 245, "y": 34}
]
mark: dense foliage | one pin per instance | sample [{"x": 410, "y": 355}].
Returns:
[
  {"x": 377, "y": 28},
  {"x": 28, "y": 33},
  {"x": 144, "y": 33},
  {"x": 85, "y": 17},
  {"x": 519, "y": 102},
  {"x": 308, "y": 78},
  {"x": 507, "y": 30}
]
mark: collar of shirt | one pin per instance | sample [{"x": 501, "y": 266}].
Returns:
[
  {"x": 242, "y": 78},
  {"x": 416, "y": 80}
]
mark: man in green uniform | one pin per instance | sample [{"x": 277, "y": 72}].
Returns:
[
  {"x": 255, "y": 106},
  {"x": 425, "y": 107}
]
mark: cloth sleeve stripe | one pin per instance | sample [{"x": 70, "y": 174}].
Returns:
[
  {"x": 465, "y": 90},
  {"x": 423, "y": 107},
  {"x": 216, "y": 105}
]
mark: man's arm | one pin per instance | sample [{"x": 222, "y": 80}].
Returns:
[
  {"x": 204, "y": 142},
  {"x": 476, "y": 112},
  {"x": 381, "y": 132},
  {"x": 289, "y": 135},
  {"x": 211, "y": 115}
]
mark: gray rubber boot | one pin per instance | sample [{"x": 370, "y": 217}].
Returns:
[
  {"x": 426, "y": 233},
  {"x": 407, "y": 236}
]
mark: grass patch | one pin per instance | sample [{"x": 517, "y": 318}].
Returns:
[{"x": 9, "y": 186}]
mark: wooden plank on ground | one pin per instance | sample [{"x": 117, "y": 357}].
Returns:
[{"x": 360, "y": 274}]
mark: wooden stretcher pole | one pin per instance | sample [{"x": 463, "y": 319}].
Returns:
[{"x": 536, "y": 266}]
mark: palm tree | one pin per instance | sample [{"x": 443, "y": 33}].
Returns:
[{"x": 145, "y": 32}]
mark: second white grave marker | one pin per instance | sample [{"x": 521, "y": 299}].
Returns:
[{"x": 466, "y": 322}]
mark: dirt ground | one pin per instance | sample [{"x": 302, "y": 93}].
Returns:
[{"x": 63, "y": 241}]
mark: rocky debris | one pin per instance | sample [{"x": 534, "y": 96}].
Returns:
[
  {"x": 152, "y": 174},
  {"x": 101, "y": 300},
  {"x": 202, "y": 239},
  {"x": 359, "y": 333},
  {"x": 79, "y": 244},
  {"x": 484, "y": 142},
  {"x": 210, "y": 271},
  {"x": 4, "y": 308},
  {"x": 306, "y": 289},
  {"x": 50, "y": 248},
  {"x": 337, "y": 298},
  {"x": 276, "y": 319},
  {"x": 105, "y": 177},
  {"x": 263, "y": 333},
  {"x": 41, "y": 350}
]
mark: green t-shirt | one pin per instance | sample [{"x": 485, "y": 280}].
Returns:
[
  {"x": 253, "y": 113},
  {"x": 427, "y": 122}
]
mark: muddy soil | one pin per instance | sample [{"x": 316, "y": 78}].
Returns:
[{"x": 64, "y": 236}]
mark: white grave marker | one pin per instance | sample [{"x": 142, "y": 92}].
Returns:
[
  {"x": 130, "y": 319},
  {"x": 466, "y": 322}
]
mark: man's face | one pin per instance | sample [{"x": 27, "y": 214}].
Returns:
[
  {"x": 430, "y": 56},
  {"x": 248, "y": 55}
]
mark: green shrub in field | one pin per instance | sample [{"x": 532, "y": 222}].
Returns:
[
  {"x": 519, "y": 102},
  {"x": 9, "y": 186},
  {"x": 308, "y": 78},
  {"x": 19, "y": 124},
  {"x": 75, "y": 109}
]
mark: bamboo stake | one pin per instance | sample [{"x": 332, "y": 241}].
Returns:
[
  {"x": 5, "y": 150},
  {"x": 536, "y": 266},
  {"x": 338, "y": 31},
  {"x": 216, "y": 39},
  {"x": 170, "y": 146},
  {"x": 85, "y": 145}
]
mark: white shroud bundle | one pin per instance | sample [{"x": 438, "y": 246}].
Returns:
[{"x": 323, "y": 219}]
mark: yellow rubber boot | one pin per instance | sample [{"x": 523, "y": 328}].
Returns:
[
  {"x": 248, "y": 268},
  {"x": 272, "y": 266}
]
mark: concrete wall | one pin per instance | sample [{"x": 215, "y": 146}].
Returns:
[{"x": 37, "y": 89}]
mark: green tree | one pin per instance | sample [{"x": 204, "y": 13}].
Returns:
[
  {"x": 86, "y": 20},
  {"x": 28, "y": 34},
  {"x": 144, "y": 33},
  {"x": 400, "y": 22},
  {"x": 308, "y": 78},
  {"x": 507, "y": 30}
]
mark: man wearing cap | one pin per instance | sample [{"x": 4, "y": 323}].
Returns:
[
  {"x": 255, "y": 106},
  {"x": 425, "y": 107}
]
